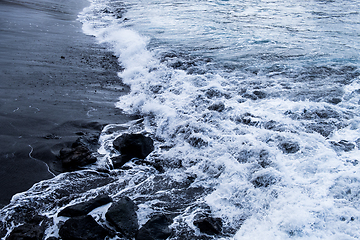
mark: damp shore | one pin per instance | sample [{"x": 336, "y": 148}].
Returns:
[{"x": 56, "y": 83}]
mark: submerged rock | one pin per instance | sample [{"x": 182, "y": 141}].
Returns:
[
  {"x": 82, "y": 228},
  {"x": 264, "y": 159},
  {"x": 289, "y": 147},
  {"x": 245, "y": 155},
  {"x": 213, "y": 93},
  {"x": 74, "y": 158},
  {"x": 132, "y": 146},
  {"x": 3, "y": 230},
  {"x": 247, "y": 119},
  {"x": 155, "y": 165},
  {"x": 34, "y": 229},
  {"x": 208, "y": 225},
  {"x": 219, "y": 107},
  {"x": 156, "y": 228},
  {"x": 197, "y": 142},
  {"x": 79, "y": 154},
  {"x": 343, "y": 145},
  {"x": 326, "y": 113},
  {"x": 250, "y": 96},
  {"x": 28, "y": 231},
  {"x": 334, "y": 100},
  {"x": 122, "y": 215},
  {"x": 358, "y": 143},
  {"x": 85, "y": 207},
  {"x": 264, "y": 180},
  {"x": 259, "y": 94},
  {"x": 119, "y": 161},
  {"x": 324, "y": 128},
  {"x": 315, "y": 114}
]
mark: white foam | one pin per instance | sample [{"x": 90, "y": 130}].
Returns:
[{"x": 312, "y": 192}]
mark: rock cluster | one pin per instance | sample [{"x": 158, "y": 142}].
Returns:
[
  {"x": 85, "y": 207},
  {"x": 156, "y": 228},
  {"x": 122, "y": 215},
  {"x": 208, "y": 224},
  {"x": 132, "y": 146},
  {"x": 79, "y": 154},
  {"x": 289, "y": 147},
  {"x": 33, "y": 229},
  {"x": 342, "y": 145},
  {"x": 120, "y": 219},
  {"x": 82, "y": 228},
  {"x": 28, "y": 231}
]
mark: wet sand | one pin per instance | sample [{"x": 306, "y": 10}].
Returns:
[{"x": 55, "y": 83}]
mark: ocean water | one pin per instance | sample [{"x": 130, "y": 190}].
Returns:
[{"x": 254, "y": 110}]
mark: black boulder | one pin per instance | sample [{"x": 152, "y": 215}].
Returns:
[
  {"x": 132, "y": 146},
  {"x": 82, "y": 228},
  {"x": 208, "y": 225},
  {"x": 156, "y": 228},
  {"x": 122, "y": 215},
  {"x": 85, "y": 207}
]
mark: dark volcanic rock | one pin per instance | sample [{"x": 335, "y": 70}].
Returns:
[
  {"x": 28, "y": 231},
  {"x": 82, "y": 228},
  {"x": 155, "y": 165},
  {"x": 270, "y": 125},
  {"x": 122, "y": 215},
  {"x": 119, "y": 161},
  {"x": 314, "y": 114},
  {"x": 33, "y": 229},
  {"x": 208, "y": 225},
  {"x": 264, "y": 160},
  {"x": 259, "y": 94},
  {"x": 334, "y": 100},
  {"x": 326, "y": 113},
  {"x": 244, "y": 155},
  {"x": 264, "y": 180},
  {"x": 197, "y": 142},
  {"x": 247, "y": 119},
  {"x": 79, "y": 154},
  {"x": 155, "y": 229},
  {"x": 324, "y": 128},
  {"x": 2, "y": 229},
  {"x": 213, "y": 93},
  {"x": 74, "y": 158},
  {"x": 184, "y": 232},
  {"x": 274, "y": 126},
  {"x": 320, "y": 114},
  {"x": 132, "y": 146},
  {"x": 250, "y": 96},
  {"x": 91, "y": 142},
  {"x": 343, "y": 145},
  {"x": 85, "y": 207},
  {"x": 217, "y": 107},
  {"x": 358, "y": 143},
  {"x": 289, "y": 147}
]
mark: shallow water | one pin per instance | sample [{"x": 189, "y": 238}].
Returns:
[{"x": 254, "y": 109}]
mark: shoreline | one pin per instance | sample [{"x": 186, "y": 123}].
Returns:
[{"x": 56, "y": 83}]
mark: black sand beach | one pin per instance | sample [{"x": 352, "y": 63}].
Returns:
[{"x": 55, "y": 82}]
